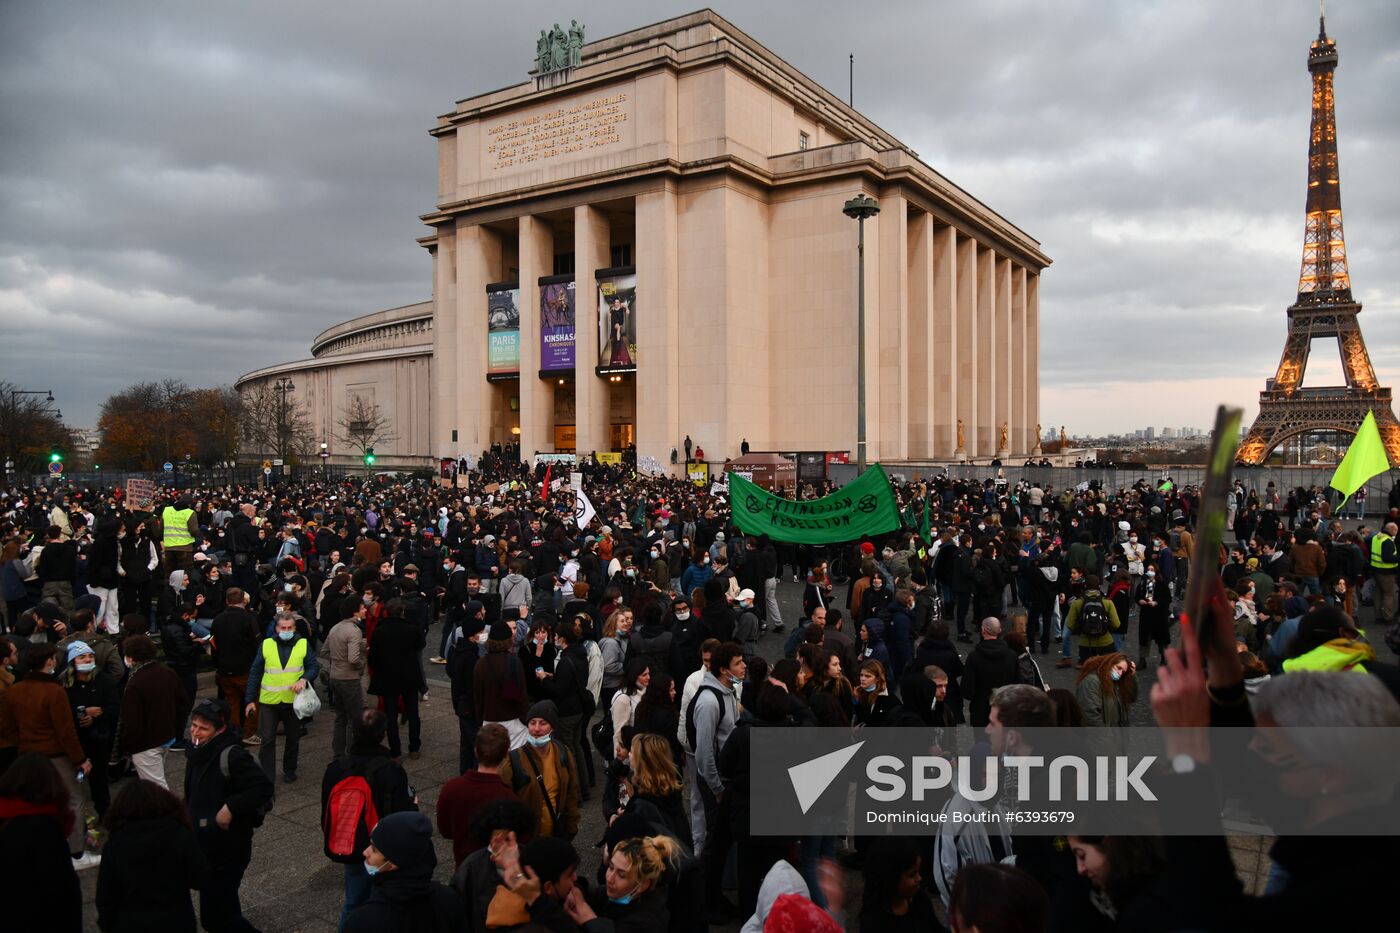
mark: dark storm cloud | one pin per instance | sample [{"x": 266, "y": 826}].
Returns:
[{"x": 197, "y": 190}]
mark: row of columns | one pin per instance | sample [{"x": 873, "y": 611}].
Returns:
[{"x": 970, "y": 329}]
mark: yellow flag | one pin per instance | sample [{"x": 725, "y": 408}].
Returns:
[{"x": 1365, "y": 458}]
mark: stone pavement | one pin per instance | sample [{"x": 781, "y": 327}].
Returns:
[{"x": 291, "y": 887}]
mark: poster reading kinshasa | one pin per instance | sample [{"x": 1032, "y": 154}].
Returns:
[
  {"x": 617, "y": 322},
  {"x": 503, "y": 330},
  {"x": 557, "y": 326}
]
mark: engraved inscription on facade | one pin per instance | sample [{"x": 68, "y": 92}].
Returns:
[{"x": 563, "y": 131}]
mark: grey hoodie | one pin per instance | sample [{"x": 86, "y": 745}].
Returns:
[
  {"x": 515, "y": 592},
  {"x": 713, "y": 723},
  {"x": 781, "y": 879}
]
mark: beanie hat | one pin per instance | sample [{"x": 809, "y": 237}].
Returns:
[
  {"x": 867, "y": 548},
  {"x": 546, "y": 710},
  {"x": 406, "y": 839},
  {"x": 76, "y": 648},
  {"x": 500, "y": 632}
]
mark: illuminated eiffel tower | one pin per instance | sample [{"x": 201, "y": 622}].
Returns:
[{"x": 1325, "y": 307}]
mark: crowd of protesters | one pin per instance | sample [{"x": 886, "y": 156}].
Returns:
[{"x": 621, "y": 666}]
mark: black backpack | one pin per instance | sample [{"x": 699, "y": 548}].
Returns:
[
  {"x": 1093, "y": 619},
  {"x": 690, "y": 735}
]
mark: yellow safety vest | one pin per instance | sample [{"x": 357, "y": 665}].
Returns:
[
  {"x": 276, "y": 686},
  {"x": 1378, "y": 541},
  {"x": 177, "y": 532}
]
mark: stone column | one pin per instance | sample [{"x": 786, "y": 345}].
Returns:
[
  {"x": 478, "y": 260},
  {"x": 987, "y": 337},
  {"x": 658, "y": 333},
  {"x": 969, "y": 376},
  {"x": 1022, "y": 429},
  {"x": 1033, "y": 350},
  {"x": 536, "y": 394},
  {"x": 889, "y": 406},
  {"x": 944, "y": 389},
  {"x": 445, "y": 407},
  {"x": 1002, "y": 350},
  {"x": 591, "y": 392},
  {"x": 917, "y": 351}
]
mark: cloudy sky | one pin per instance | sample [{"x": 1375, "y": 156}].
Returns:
[{"x": 195, "y": 189}]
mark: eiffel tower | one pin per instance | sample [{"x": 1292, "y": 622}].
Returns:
[{"x": 1325, "y": 307}]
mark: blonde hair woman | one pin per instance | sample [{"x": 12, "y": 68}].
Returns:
[{"x": 634, "y": 891}]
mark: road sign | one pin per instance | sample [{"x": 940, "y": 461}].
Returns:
[
  {"x": 277, "y": 462},
  {"x": 267, "y": 464},
  {"x": 169, "y": 467},
  {"x": 267, "y": 471},
  {"x": 56, "y": 468}
]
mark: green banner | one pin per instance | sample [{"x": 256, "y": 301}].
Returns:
[{"x": 862, "y": 508}]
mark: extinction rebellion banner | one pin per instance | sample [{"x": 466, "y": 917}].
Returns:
[{"x": 861, "y": 508}]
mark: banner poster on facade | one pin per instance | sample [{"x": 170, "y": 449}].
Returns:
[
  {"x": 608, "y": 456},
  {"x": 617, "y": 322},
  {"x": 699, "y": 473},
  {"x": 557, "y": 326},
  {"x": 502, "y": 330}
]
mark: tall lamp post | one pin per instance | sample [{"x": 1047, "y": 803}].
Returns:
[
  {"x": 282, "y": 386},
  {"x": 859, "y": 208}
]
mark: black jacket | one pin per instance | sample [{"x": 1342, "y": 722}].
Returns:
[
  {"x": 686, "y": 638},
  {"x": 393, "y": 657},
  {"x": 236, "y": 641},
  {"x": 944, "y": 655},
  {"x": 148, "y": 868},
  {"x": 569, "y": 683},
  {"x": 716, "y": 621},
  {"x": 247, "y": 791},
  {"x": 408, "y": 901},
  {"x": 39, "y": 876},
  {"x": 990, "y": 664}
]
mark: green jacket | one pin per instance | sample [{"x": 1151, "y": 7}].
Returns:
[{"x": 1114, "y": 625}]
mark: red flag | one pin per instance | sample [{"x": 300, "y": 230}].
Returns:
[{"x": 544, "y": 490}]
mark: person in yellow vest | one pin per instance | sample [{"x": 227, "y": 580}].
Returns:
[
  {"x": 1384, "y": 563},
  {"x": 179, "y": 528},
  {"x": 283, "y": 667},
  {"x": 1328, "y": 640}
]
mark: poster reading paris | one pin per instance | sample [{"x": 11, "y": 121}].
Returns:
[
  {"x": 617, "y": 322},
  {"x": 503, "y": 330},
  {"x": 557, "y": 326}
]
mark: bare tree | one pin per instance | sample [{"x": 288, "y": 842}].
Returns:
[
  {"x": 274, "y": 424},
  {"x": 363, "y": 426},
  {"x": 29, "y": 428}
]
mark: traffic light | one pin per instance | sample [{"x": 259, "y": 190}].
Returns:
[
  {"x": 369, "y": 457},
  {"x": 55, "y": 455}
]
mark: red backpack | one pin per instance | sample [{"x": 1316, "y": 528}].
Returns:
[{"x": 350, "y": 816}]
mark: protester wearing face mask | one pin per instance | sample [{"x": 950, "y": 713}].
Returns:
[
  {"x": 400, "y": 861},
  {"x": 96, "y": 699},
  {"x": 1154, "y": 615},
  {"x": 1107, "y": 688},
  {"x": 544, "y": 774},
  {"x": 284, "y": 667},
  {"x": 635, "y": 891},
  {"x": 228, "y": 795}
]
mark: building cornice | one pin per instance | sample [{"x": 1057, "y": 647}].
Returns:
[{"x": 327, "y": 362}]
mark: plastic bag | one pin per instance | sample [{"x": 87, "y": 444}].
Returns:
[{"x": 307, "y": 703}]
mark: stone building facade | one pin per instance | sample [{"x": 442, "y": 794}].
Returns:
[{"x": 694, "y": 175}]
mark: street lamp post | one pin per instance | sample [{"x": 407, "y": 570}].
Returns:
[
  {"x": 325, "y": 454},
  {"x": 14, "y": 413},
  {"x": 282, "y": 386},
  {"x": 859, "y": 208}
]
